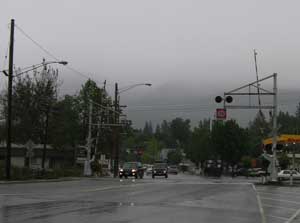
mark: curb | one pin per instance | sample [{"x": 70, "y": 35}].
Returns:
[{"x": 40, "y": 181}]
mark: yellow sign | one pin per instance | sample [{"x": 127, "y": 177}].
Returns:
[{"x": 281, "y": 139}]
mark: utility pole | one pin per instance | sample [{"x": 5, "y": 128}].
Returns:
[
  {"x": 87, "y": 166},
  {"x": 45, "y": 140},
  {"x": 9, "y": 99},
  {"x": 99, "y": 124},
  {"x": 274, "y": 139},
  {"x": 47, "y": 110},
  {"x": 116, "y": 132}
]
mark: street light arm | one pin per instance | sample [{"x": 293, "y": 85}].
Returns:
[
  {"x": 133, "y": 86},
  {"x": 31, "y": 68}
]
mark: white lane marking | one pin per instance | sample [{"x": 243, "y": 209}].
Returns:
[
  {"x": 200, "y": 183},
  {"x": 115, "y": 187},
  {"x": 261, "y": 210},
  {"x": 279, "y": 207},
  {"x": 278, "y": 217},
  {"x": 291, "y": 219},
  {"x": 279, "y": 192},
  {"x": 101, "y": 189},
  {"x": 281, "y": 200},
  {"x": 14, "y": 194}
]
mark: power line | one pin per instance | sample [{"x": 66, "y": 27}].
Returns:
[
  {"x": 52, "y": 55},
  {"x": 37, "y": 44}
]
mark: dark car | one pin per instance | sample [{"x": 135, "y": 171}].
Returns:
[
  {"x": 173, "y": 170},
  {"x": 131, "y": 169},
  {"x": 213, "y": 168},
  {"x": 160, "y": 169}
]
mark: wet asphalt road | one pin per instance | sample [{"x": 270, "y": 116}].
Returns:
[{"x": 180, "y": 198}]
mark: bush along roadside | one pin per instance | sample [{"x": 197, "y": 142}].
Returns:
[{"x": 24, "y": 173}]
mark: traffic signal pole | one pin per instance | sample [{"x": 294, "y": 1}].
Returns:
[{"x": 9, "y": 99}]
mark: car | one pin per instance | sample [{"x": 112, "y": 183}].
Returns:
[
  {"x": 149, "y": 171},
  {"x": 286, "y": 174},
  {"x": 173, "y": 170},
  {"x": 255, "y": 172},
  {"x": 131, "y": 169},
  {"x": 213, "y": 168},
  {"x": 160, "y": 169}
]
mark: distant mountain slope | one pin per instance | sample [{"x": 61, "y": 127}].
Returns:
[{"x": 170, "y": 102}]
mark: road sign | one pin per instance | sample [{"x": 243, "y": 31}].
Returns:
[{"x": 221, "y": 113}]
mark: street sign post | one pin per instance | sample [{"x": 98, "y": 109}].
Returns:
[{"x": 29, "y": 146}]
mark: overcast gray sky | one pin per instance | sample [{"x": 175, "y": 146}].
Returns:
[{"x": 191, "y": 46}]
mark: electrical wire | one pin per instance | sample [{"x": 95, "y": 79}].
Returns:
[{"x": 52, "y": 55}]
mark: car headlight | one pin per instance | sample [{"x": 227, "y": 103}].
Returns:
[
  {"x": 121, "y": 170},
  {"x": 133, "y": 170},
  {"x": 154, "y": 171},
  {"x": 165, "y": 171}
]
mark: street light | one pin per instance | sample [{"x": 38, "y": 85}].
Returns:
[
  {"x": 9, "y": 74},
  {"x": 133, "y": 86},
  {"x": 33, "y": 67},
  {"x": 116, "y": 120}
]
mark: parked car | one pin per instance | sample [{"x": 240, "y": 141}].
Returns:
[
  {"x": 131, "y": 169},
  {"x": 256, "y": 172},
  {"x": 160, "y": 169},
  {"x": 173, "y": 170},
  {"x": 286, "y": 174}
]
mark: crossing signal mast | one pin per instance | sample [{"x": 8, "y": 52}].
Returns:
[{"x": 245, "y": 90}]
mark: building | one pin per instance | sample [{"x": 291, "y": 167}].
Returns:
[{"x": 22, "y": 157}]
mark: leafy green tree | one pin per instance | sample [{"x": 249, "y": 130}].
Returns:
[
  {"x": 163, "y": 134},
  {"x": 148, "y": 130},
  {"x": 200, "y": 146},
  {"x": 89, "y": 93},
  {"x": 33, "y": 97},
  {"x": 65, "y": 126},
  {"x": 180, "y": 131},
  {"x": 258, "y": 130},
  {"x": 246, "y": 161},
  {"x": 152, "y": 151},
  {"x": 229, "y": 141},
  {"x": 287, "y": 123},
  {"x": 284, "y": 161},
  {"x": 175, "y": 157}
]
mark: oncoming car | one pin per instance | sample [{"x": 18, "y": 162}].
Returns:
[
  {"x": 131, "y": 169},
  {"x": 160, "y": 169}
]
